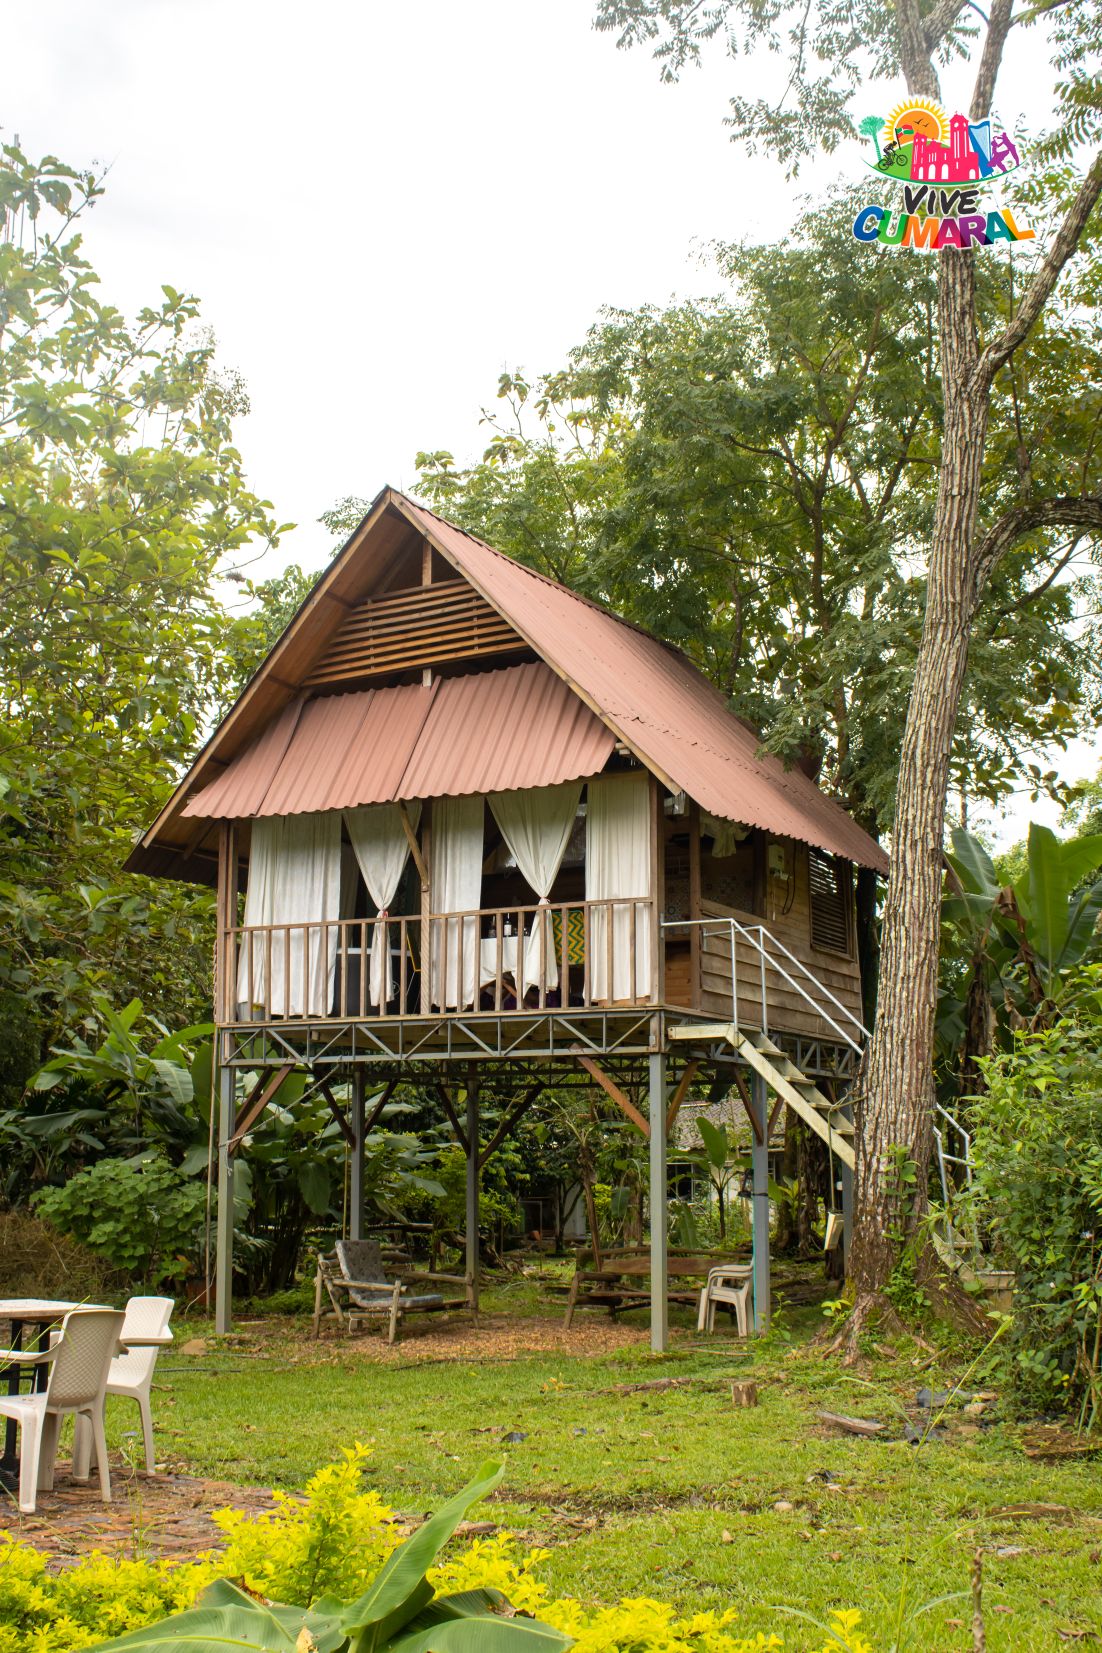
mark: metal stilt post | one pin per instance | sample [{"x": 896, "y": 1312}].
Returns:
[
  {"x": 659, "y": 1300},
  {"x": 760, "y": 1165},
  {"x": 223, "y": 1268},
  {"x": 472, "y": 1189},
  {"x": 356, "y": 1169}
]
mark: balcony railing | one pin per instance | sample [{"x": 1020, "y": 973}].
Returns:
[{"x": 579, "y": 954}]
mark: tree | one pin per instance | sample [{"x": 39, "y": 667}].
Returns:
[
  {"x": 123, "y": 501},
  {"x": 751, "y": 478},
  {"x": 829, "y": 48}
]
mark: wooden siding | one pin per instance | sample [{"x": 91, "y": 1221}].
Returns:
[
  {"x": 416, "y": 626},
  {"x": 788, "y": 1012}
]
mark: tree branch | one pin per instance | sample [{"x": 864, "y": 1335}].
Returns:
[
  {"x": 1037, "y": 294},
  {"x": 940, "y": 21},
  {"x": 990, "y": 58},
  {"x": 1083, "y": 513}
]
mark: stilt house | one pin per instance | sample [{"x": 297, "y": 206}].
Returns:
[{"x": 461, "y": 815}]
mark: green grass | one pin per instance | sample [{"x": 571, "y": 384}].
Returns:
[{"x": 673, "y": 1493}]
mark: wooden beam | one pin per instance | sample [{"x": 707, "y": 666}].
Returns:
[
  {"x": 512, "y": 1118},
  {"x": 446, "y": 1104},
  {"x": 680, "y": 1093},
  {"x": 755, "y": 1125},
  {"x": 346, "y": 1129},
  {"x": 777, "y": 1106},
  {"x": 262, "y": 1094},
  {"x": 414, "y": 846},
  {"x": 376, "y": 1113},
  {"x": 611, "y": 1088}
]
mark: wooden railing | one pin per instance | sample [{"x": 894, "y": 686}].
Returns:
[{"x": 581, "y": 954}]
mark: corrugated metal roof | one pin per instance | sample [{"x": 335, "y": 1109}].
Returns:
[
  {"x": 663, "y": 707},
  {"x": 638, "y": 689},
  {"x": 493, "y": 732}
]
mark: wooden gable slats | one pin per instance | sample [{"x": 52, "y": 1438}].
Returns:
[{"x": 416, "y": 626}]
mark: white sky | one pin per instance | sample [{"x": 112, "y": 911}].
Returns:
[{"x": 383, "y": 206}]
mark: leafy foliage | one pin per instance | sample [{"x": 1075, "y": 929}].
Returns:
[
  {"x": 142, "y": 1215},
  {"x": 123, "y": 501},
  {"x": 1038, "y": 1195}
]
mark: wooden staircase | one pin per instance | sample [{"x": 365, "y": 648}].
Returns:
[{"x": 784, "y": 1078}]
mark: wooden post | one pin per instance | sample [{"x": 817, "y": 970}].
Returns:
[
  {"x": 694, "y": 902},
  {"x": 223, "y": 1268},
  {"x": 225, "y": 920},
  {"x": 759, "y": 1159},
  {"x": 659, "y": 1285},
  {"x": 356, "y": 1176},
  {"x": 472, "y": 1188},
  {"x": 658, "y": 893},
  {"x": 426, "y": 909}
]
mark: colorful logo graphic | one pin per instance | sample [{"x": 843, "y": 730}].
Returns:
[{"x": 946, "y": 165}]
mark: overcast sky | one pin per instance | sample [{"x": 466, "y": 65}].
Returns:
[{"x": 383, "y": 206}]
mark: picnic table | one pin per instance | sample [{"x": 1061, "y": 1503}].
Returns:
[
  {"x": 619, "y": 1279},
  {"x": 45, "y": 1314}
]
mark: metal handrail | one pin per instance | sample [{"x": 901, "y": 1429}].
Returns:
[
  {"x": 965, "y": 1160},
  {"x": 732, "y": 925}
]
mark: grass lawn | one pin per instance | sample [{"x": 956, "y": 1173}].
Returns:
[{"x": 674, "y": 1493}]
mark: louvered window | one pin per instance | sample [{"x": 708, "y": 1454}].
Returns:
[{"x": 830, "y": 888}]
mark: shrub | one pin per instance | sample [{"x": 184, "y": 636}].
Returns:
[
  {"x": 1038, "y": 1196},
  {"x": 333, "y": 1542},
  {"x": 142, "y": 1215}
]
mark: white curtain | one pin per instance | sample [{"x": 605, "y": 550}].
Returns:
[
  {"x": 536, "y": 825},
  {"x": 618, "y": 867},
  {"x": 382, "y": 849},
  {"x": 294, "y": 884},
  {"x": 456, "y": 876}
]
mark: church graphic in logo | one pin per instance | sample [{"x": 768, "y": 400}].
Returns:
[{"x": 946, "y": 167}]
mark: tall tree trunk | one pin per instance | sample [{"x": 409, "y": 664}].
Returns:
[{"x": 895, "y": 1102}]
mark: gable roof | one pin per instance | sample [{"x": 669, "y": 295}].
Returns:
[{"x": 645, "y": 692}]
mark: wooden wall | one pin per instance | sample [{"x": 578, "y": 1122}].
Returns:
[{"x": 784, "y": 905}]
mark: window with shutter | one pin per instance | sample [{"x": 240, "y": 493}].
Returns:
[{"x": 829, "y": 902}]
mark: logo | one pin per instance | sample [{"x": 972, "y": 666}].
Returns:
[{"x": 947, "y": 167}]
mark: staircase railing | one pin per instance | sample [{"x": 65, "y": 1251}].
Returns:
[
  {"x": 773, "y": 954},
  {"x": 944, "y": 1122}
]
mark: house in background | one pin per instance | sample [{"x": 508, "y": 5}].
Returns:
[{"x": 463, "y": 820}]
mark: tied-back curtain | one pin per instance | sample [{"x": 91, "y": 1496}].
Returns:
[
  {"x": 456, "y": 876},
  {"x": 618, "y": 869},
  {"x": 294, "y": 887},
  {"x": 536, "y": 825},
  {"x": 382, "y": 849}
]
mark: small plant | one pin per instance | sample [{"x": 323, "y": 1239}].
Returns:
[{"x": 400, "y": 1610}]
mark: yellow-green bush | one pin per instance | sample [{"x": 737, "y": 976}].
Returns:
[{"x": 333, "y": 1542}]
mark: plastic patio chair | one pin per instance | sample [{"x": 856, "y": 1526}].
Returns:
[
  {"x": 79, "y": 1362},
  {"x": 730, "y": 1284},
  {"x": 132, "y": 1372}
]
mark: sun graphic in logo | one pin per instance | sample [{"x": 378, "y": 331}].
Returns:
[{"x": 918, "y": 117}]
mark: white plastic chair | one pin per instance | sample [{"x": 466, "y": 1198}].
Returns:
[
  {"x": 731, "y": 1285},
  {"x": 79, "y": 1361},
  {"x": 132, "y": 1372}
]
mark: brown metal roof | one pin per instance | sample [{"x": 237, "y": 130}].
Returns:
[
  {"x": 498, "y": 731},
  {"x": 637, "y": 690},
  {"x": 665, "y": 710},
  {"x": 504, "y": 731}
]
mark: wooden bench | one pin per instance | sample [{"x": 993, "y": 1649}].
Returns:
[{"x": 619, "y": 1279}]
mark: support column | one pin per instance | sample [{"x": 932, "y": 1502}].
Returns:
[
  {"x": 223, "y": 1268},
  {"x": 760, "y": 1164},
  {"x": 472, "y": 1189},
  {"x": 659, "y": 1286},
  {"x": 356, "y": 1169}
]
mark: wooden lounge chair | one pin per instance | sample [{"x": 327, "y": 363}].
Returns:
[{"x": 356, "y": 1283}]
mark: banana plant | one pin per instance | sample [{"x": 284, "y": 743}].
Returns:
[{"x": 398, "y": 1613}]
